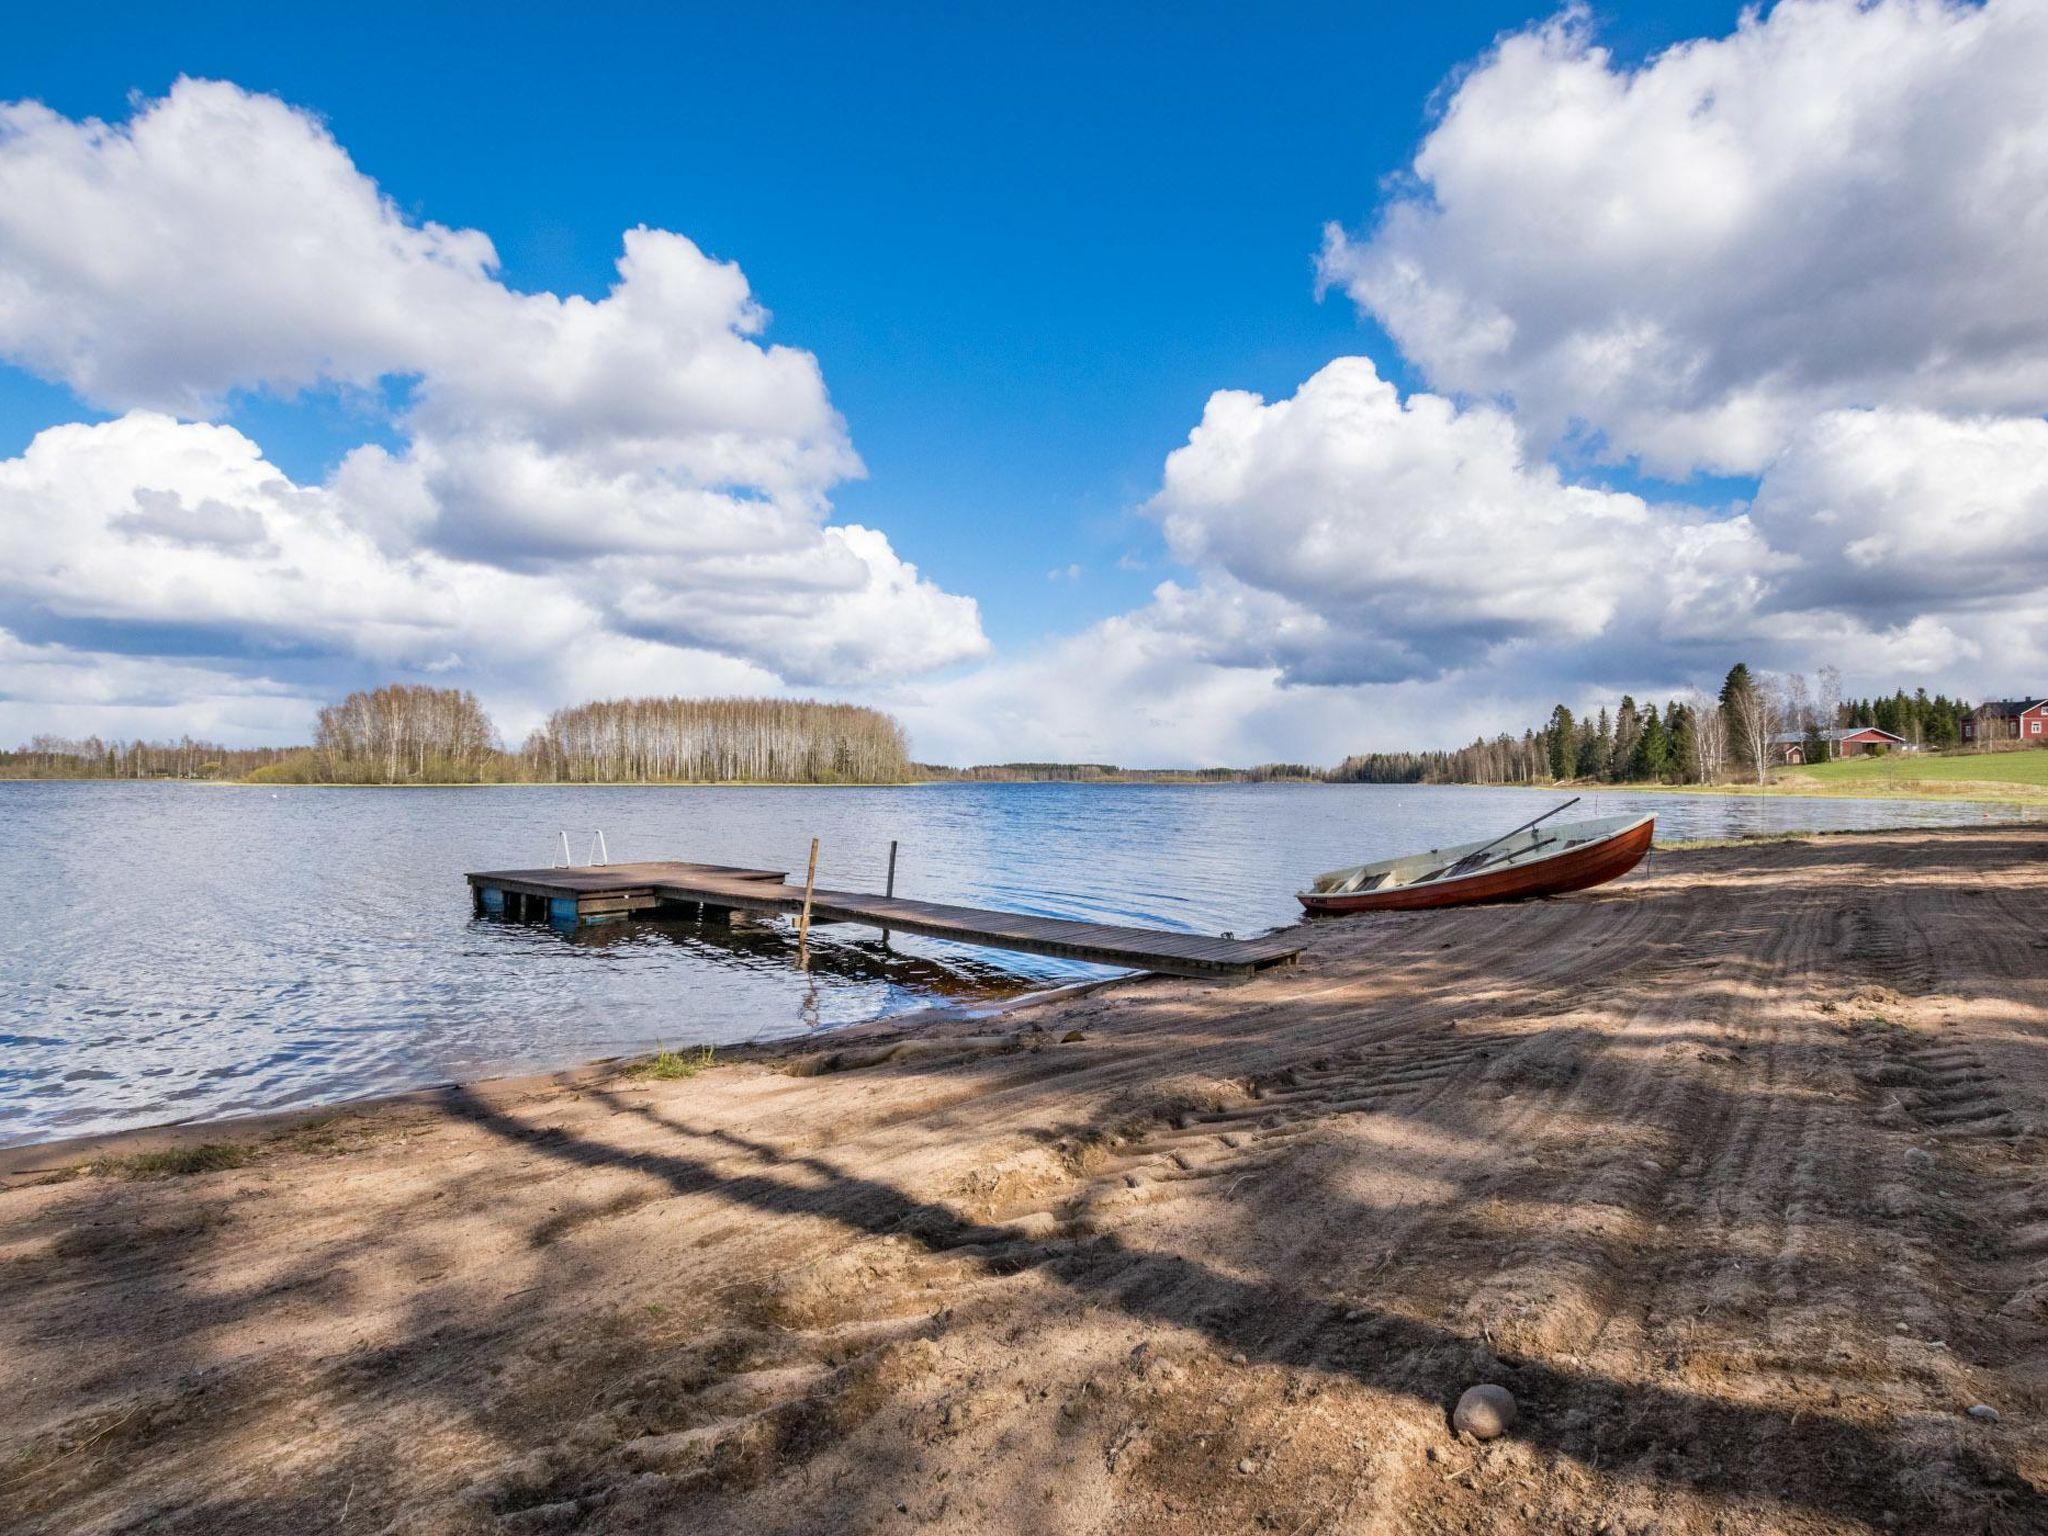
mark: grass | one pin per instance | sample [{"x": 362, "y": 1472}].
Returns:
[
  {"x": 2008, "y": 778},
  {"x": 1746, "y": 840},
  {"x": 176, "y": 1162},
  {"x": 669, "y": 1065},
  {"x": 2025, "y": 768}
]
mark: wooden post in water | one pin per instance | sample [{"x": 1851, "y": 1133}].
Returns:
[
  {"x": 803, "y": 922},
  {"x": 890, "y": 888}
]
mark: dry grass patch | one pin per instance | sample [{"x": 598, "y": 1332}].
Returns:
[
  {"x": 176, "y": 1162},
  {"x": 670, "y": 1065}
]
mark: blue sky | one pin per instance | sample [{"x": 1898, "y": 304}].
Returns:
[
  {"x": 1024, "y": 244},
  {"x": 1619, "y": 370}
]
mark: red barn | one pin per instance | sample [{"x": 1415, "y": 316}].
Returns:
[
  {"x": 1847, "y": 741},
  {"x": 2008, "y": 720}
]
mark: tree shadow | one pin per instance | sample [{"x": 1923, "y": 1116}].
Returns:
[{"x": 436, "y": 1367}]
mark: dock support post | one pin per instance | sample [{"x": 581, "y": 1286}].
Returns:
[
  {"x": 803, "y": 922},
  {"x": 889, "y": 889}
]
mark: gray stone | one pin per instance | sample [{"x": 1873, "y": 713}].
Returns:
[
  {"x": 1485, "y": 1412},
  {"x": 1984, "y": 1413}
]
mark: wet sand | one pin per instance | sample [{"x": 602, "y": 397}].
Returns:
[{"x": 1734, "y": 1173}]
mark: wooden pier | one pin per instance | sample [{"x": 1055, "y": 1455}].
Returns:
[{"x": 603, "y": 893}]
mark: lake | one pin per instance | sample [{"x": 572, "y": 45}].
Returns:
[{"x": 187, "y": 951}]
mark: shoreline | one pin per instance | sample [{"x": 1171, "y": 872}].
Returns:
[
  {"x": 932, "y": 1021},
  {"x": 1657, "y": 1159},
  {"x": 490, "y": 783},
  {"x": 1935, "y": 791},
  {"x": 936, "y": 1020}
]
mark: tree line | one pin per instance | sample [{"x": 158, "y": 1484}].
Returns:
[
  {"x": 1110, "y": 773},
  {"x": 401, "y": 734},
  {"x": 1699, "y": 738},
  {"x": 769, "y": 741},
  {"x": 91, "y": 757},
  {"x": 412, "y": 734}
]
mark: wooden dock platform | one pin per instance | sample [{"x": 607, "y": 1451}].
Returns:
[{"x": 606, "y": 892}]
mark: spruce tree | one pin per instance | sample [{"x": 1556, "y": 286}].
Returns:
[
  {"x": 1563, "y": 744},
  {"x": 1628, "y": 726},
  {"x": 1685, "y": 746},
  {"x": 1653, "y": 749},
  {"x": 1590, "y": 761},
  {"x": 1737, "y": 689}
]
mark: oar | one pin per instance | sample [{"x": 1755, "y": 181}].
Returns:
[{"x": 1525, "y": 826}]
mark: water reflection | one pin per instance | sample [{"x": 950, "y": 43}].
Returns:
[
  {"x": 838, "y": 952},
  {"x": 198, "y": 950}
]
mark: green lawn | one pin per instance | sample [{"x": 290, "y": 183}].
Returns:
[{"x": 2028, "y": 765}]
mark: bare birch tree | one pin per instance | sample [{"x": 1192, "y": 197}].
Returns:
[
  {"x": 400, "y": 733},
  {"x": 795, "y": 741},
  {"x": 1754, "y": 710},
  {"x": 1827, "y": 705},
  {"x": 1710, "y": 732}
]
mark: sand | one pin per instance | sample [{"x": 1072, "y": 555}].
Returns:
[{"x": 1735, "y": 1174}]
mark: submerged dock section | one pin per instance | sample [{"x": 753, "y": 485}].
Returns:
[{"x": 601, "y": 893}]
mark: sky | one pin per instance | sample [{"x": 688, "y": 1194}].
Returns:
[{"x": 1157, "y": 385}]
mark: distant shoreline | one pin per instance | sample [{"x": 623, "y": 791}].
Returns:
[
  {"x": 52, "y": 778},
  {"x": 1945, "y": 792},
  {"x": 1190, "y": 781}
]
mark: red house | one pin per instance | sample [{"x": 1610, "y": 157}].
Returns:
[
  {"x": 2008, "y": 720},
  {"x": 1846, "y": 741}
]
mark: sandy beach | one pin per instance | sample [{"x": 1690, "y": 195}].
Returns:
[{"x": 1735, "y": 1174}]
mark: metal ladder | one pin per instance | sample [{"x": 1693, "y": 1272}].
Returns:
[{"x": 598, "y": 855}]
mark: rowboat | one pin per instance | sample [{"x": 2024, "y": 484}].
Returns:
[{"x": 1533, "y": 860}]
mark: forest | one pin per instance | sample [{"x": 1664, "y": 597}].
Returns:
[
  {"x": 400, "y": 735},
  {"x": 1110, "y": 773},
  {"x": 414, "y": 734},
  {"x": 761, "y": 741},
  {"x": 407, "y": 734},
  {"x": 1700, "y": 738},
  {"x": 89, "y": 757}
]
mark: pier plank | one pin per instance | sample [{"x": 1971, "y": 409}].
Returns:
[{"x": 729, "y": 888}]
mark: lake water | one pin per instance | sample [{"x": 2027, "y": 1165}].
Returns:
[{"x": 187, "y": 951}]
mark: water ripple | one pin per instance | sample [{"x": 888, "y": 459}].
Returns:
[{"x": 189, "y": 951}]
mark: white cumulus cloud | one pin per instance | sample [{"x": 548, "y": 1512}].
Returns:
[
  {"x": 1898, "y": 513},
  {"x": 1839, "y": 205},
  {"x": 639, "y": 470},
  {"x": 1353, "y": 536}
]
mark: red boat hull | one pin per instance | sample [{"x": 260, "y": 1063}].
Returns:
[{"x": 1594, "y": 864}]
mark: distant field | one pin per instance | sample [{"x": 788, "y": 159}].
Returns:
[{"x": 2027, "y": 766}]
